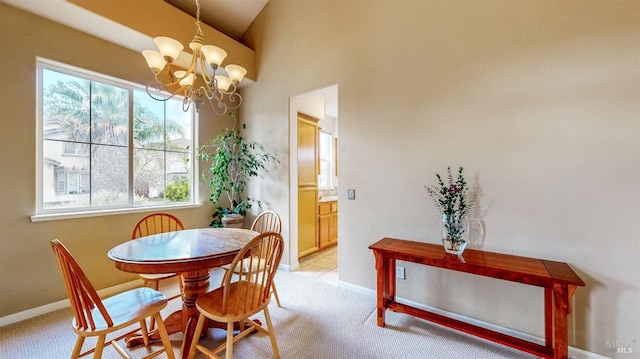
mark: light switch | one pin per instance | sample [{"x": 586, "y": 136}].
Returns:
[{"x": 351, "y": 194}]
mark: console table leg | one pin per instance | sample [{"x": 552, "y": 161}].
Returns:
[
  {"x": 560, "y": 328},
  {"x": 391, "y": 281},
  {"x": 382, "y": 282},
  {"x": 548, "y": 318}
]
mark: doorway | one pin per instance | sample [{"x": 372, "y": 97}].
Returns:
[{"x": 321, "y": 104}]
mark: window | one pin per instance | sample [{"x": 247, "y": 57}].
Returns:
[
  {"x": 89, "y": 161},
  {"x": 325, "y": 179}
]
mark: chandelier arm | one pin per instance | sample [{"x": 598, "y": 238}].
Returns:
[
  {"x": 191, "y": 69},
  {"x": 232, "y": 88},
  {"x": 204, "y": 68},
  {"x": 156, "y": 88},
  {"x": 160, "y": 79},
  {"x": 233, "y": 97},
  {"x": 221, "y": 106},
  {"x": 186, "y": 102},
  {"x": 211, "y": 94},
  {"x": 205, "y": 91}
]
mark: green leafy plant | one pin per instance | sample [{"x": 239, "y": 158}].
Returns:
[
  {"x": 453, "y": 199},
  {"x": 178, "y": 191},
  {"x": 233, "y": 160}
]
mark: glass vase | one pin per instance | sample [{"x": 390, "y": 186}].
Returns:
[{"x": 454, "y": 234}]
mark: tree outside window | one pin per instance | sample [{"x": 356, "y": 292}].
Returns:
[{"x": 86, "y": 149}]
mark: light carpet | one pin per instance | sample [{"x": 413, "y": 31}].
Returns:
[{"x": 318, "y": 320}]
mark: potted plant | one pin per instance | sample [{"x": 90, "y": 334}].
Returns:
[
  {"x": 453, "y": 200},
  {"x": 233, "y": 160}
]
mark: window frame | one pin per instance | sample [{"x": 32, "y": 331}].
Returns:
[
  {"x": 330, "y": 160},
  {"x": 42, "y": 214}
]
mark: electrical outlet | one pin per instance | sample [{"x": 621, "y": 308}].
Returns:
[
  {"x": 351, "y": 194},
  {"x": 400, "y": 272}
]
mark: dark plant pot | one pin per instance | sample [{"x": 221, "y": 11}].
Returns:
[{"x": 233, "y": 220}]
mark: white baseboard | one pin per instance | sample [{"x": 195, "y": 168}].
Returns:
[
  {"x": 286, "y": 267},
  {"x": 52, "y": 307},
  {"x": 574, "y": 353}
]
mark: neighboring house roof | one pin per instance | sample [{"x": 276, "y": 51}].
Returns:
[{"x": 51, "y": 161}]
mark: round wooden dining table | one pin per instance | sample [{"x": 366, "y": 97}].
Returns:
[{"x": 190, "y": 252}]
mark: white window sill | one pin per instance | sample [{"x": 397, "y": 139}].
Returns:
[{"x": 61, "y": 216}]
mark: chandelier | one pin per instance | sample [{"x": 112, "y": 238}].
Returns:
[{"x": 199, "y": 81}]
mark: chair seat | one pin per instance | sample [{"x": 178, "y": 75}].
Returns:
[
  {"x": 211, "y": 304},
  {"x": 126, "y": 308},
  {"x": 157, "y": 276},
  {"x": 257, "y": 264}
]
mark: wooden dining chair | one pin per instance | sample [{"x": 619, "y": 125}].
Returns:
[
  {"x": 94, "y": 317},
  {"x": 155, "y": 223},
  {"x": 232, "y": 302},
  {"x": 267, "y": 221}
]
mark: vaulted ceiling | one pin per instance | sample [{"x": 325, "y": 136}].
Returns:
[
  {"x": 124, "y": 26},
  {"x": 231, "y": 17},
  {"x": 134, "y": 24}
]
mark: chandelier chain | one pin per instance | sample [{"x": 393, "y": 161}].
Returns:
[{"x": 198, "y": 28}]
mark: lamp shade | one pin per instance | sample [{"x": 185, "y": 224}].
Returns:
[
  {"x": 155, "y": 60},
  {"x": 223, "y": 82},
  {"x": 169, "y": 48},
  {"x": 236, "y": 72},
  {"x": 184, "y": 79},
  {"x": 214, "y": 55}
]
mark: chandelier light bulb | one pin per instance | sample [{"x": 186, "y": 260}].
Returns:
[
  {"x": 155, "y": 60},
  {"x": 169, "y": 48},
  {"x": 236, "y": 72},
  {"x": 214, "y": 55},
  {"x": 184, "y": 79},
  {"x": 223, "y": 82}
]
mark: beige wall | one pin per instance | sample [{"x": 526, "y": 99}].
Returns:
[
  {"x": 538, "y": 99},
  {"x": 31, "y": 276}
]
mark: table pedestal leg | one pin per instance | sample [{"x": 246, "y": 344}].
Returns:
[{"x": 195, "y": 284}]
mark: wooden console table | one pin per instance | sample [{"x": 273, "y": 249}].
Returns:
[{"x": 558, "y": 280}]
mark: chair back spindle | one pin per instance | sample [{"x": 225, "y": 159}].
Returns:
[
  {"x": 267, "y": 221},
  {"x": 256, "y": 265},
  {"x": 156, "y": 223},
  {"x": 82, "y": 294}
]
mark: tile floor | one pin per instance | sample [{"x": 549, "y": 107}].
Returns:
[{"x": 322, "y": 265}]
